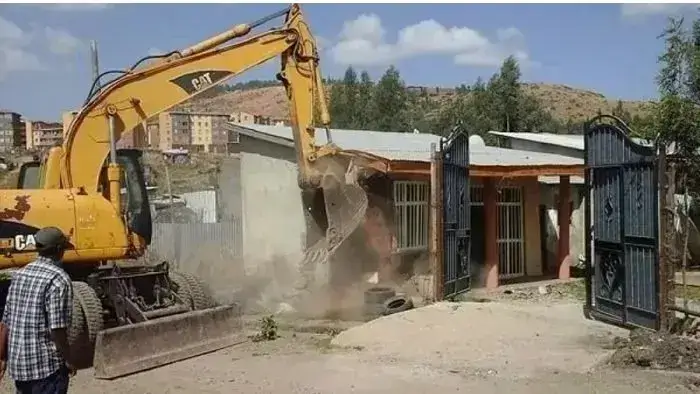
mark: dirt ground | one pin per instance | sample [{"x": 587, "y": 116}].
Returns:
[{"x": 491, "y": 347}]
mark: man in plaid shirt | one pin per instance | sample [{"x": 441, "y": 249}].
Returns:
[{"x": 37, "y": 316}]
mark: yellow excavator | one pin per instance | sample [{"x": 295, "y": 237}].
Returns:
[{"x": 133, "y": 316}]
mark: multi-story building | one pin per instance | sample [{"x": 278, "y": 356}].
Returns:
[
  {"x": 41, "y": 135},
  {"x": 66, "y": 118},
  {"x": 247, "y": 118},
  {"x": 136, "y": 138},
  {"x": 12, "y": 131},
  {"x": 243, "y": 118},
  {"x": 198, "y": 132}
]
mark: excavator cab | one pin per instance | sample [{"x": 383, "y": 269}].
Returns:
[
  {"x": 135, "y": 205},
  {"x": 134, "y": 202},
  {"x": 29, "y": 175}
]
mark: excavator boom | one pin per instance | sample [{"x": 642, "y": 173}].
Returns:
[{"x": 144, "y": 92}]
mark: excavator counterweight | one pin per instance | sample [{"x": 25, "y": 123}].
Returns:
[{"x": 134, "y": 317}]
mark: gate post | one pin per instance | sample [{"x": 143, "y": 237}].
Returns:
[
  {"x": 666, "y": 275},
  {"x": 490, "y": 233},
  {"x": 564, "y": 219},
  {"x": 435, "y": 227}
]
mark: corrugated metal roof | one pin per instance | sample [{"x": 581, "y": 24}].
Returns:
[
  {"x": 416, "y": 147},
  {"x": 572, "y": 141}
]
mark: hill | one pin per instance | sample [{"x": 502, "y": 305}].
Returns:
[{"x": 563, "y": 102}]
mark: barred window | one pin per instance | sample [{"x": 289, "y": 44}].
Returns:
[{"x": 411, "y": 204}]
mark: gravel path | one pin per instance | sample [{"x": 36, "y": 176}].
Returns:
[{"x": 448, "y": 348}]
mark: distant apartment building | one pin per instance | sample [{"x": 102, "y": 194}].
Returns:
[
  {"x": 247, "y": 118},
  {"x": 136, "y": 138},
  {"x": 12, "y": 131},
  {"x": 42, "y": 135},
  {"x": 66, "y": 118},
  {"x": 197, "y": 132}
]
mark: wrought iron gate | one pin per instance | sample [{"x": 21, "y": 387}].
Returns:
[
  {"x": 622, "y": 218},
  {"x": 456, "y": 212}
]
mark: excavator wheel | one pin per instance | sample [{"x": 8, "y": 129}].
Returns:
[
  {"x": 183, "y": 288},
  {"x": 196, "y": 290},
  {"x": 86, "y": 322}
]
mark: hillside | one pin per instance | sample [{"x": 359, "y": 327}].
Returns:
[{"x": 562, "y": 101}]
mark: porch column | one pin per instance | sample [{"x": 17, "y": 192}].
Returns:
[
  {"x": 564, "y": 219},
  {"x": 490, "y": 233}
]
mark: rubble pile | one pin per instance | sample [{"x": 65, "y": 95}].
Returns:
[{"x": 657, "y": 350}]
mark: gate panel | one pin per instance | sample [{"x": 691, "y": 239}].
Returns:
[
  {"x": 622, "y": 217},
  {"x": 456, "y": 213}
]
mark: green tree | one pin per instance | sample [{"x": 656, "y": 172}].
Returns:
[
  {"x": 350, "y": 91},
  {"x": 506, "y": 90},
  {"x": 674, "y": 113},
  {"x": 364, "y": 104},
  {"x": 336, "y": 104},
  {"x": 390, "y": 102}
]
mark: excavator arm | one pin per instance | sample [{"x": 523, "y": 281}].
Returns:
[{"x": 144, "y": 92}]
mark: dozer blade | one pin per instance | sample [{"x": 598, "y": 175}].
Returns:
[{"x": 137, "y": 347}]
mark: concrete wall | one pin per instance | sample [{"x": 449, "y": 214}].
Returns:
[{"x": 273, "y": 228}]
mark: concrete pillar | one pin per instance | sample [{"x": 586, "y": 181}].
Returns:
[
  {"x": 490, "y": 233},
  {"x": 531, "y": 220},
  {"x": 564, "y": 219}
]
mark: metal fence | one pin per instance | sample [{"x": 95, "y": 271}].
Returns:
[{"x": 187, "y": 243}]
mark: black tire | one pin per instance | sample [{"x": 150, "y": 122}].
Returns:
[
  {"x": 78, "y": 329},
  {"x": 86, "y": 323},
  {"x": 377, "y": 295},
  {"x": 183, "y": 288},
  {"x": 199, "y": 294},
  {"x": 397, "y": 304}
]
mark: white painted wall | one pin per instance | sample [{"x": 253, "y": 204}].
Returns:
[
  {"x": 272, "y": 209},
  {"x": 273, "y": 229}
]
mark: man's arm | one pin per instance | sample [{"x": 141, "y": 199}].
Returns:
[
  {"x": 4, "y": 335},
  {"x": 58, "y": 311}
]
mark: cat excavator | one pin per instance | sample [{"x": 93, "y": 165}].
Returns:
[{"x": 129, "y": 316}]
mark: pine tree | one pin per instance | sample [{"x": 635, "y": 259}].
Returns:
[
  {"x": 506, "y": 89},
  {"x": 364, "y": 105},
  {"x": 390, "y": 102},
  {"x": 350, "y": 91}
]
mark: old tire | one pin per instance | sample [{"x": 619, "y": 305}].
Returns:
[
  {"x": 87, "y": 321},
  {"x": 373, "y": 311},
  {"x": 397, "y": 304},
  {"x": 199, "y": 295},
  {"x": 378, "y": 295},
  {"x": 183, "y": 288}
]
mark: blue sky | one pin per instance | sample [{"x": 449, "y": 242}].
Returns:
[{"x": 609, "y": 48}]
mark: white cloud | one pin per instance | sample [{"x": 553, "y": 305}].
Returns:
[
  {"x": 61, "y": 42},
  {"x": 362, "y": 42},
  {"x": 78, "y": 6},
  {"x": 641, "y": 10},
  {"x": 322, "y": 43},
  {"x": 14, "y": 53},
  {"x": 153, "y": 51}
]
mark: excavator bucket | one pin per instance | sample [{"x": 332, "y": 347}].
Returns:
[
  {"x": 345, "y": 206},
  {"x": 137, "y": 347}
]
